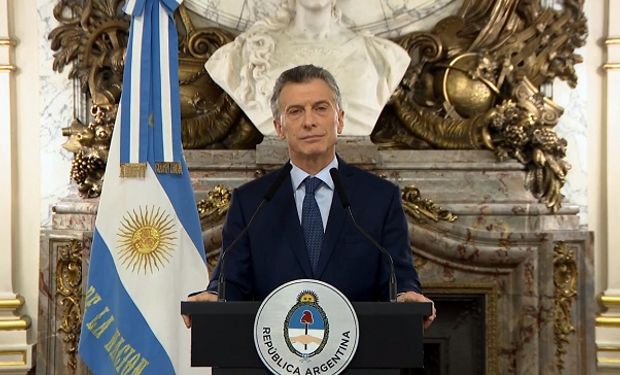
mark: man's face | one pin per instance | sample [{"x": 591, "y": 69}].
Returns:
[{"x": 309, "y": 120}]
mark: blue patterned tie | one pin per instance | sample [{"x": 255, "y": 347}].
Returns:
[{"x": 311, "y": 221}]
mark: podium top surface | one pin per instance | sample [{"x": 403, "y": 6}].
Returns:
[{"x": 361, "y": 308}]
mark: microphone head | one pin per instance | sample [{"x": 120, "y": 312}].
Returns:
[{"x": 344, "y": 199}]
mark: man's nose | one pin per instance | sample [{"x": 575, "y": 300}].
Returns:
[{"x": 309, "y": 119}]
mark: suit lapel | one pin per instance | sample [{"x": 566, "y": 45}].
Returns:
[
  {"x": 285, "y": 208},
  {"x": 336, "y": 219}
]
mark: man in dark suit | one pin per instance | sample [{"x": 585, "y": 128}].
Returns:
[{"x": 304, "y": 232}]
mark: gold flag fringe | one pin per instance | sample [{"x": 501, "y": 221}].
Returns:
[
  {"x": 133, "y": 170},
  {"x": 169, "y": 167}
]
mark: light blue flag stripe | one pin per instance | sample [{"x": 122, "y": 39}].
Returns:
[
  {"x": 135, "y": 342},
  {"x": 185, "y": 208},
  {"x": 144, "y": 76},
  {"x": 174, "y": 87}
]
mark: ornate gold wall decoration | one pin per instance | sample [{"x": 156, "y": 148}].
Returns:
[
  {"x": 474, "y": 83},
  {"x": 214, "y": 208},
  {"x": 565, "y": 282},
  {"x": 90, "y": 145},
  {"x": 210, "y": 118},
  {"x": 475, "y": 80},
  {"x": 420, "y": 208},
  {"x": 212, "y": 212},
  {"x": 69, "y": 296},
  {"x": 92, "y": 38}
]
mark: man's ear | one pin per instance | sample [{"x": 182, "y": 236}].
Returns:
[
  {"x": 278, "y": 126},
  {"x": 340, "y": 120}
]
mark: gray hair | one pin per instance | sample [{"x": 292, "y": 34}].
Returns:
[{"x": 303, "y": 74}]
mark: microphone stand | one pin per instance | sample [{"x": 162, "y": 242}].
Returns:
[
  {"x": 221, "y": 281},
  {"x": 347, "y": 206}
]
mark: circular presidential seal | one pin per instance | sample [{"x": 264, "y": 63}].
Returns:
[{"x": 306, "y": 327}]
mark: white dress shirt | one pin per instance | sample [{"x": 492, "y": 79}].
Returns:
[{"x": 323, "y": 194}]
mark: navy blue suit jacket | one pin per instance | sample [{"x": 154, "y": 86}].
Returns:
[{"x": 274, "y": 252}]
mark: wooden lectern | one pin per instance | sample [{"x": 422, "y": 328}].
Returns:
[{"x": 390, "y": 338}]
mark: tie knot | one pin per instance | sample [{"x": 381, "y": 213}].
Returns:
[{"x": 311, "y": 184}]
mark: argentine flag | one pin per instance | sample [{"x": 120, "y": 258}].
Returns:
[{"x": 147, "y": 253}]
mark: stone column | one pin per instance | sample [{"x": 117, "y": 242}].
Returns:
[
  {"x": 608, "y": 321},
  {"x": 15, "y": 352}
]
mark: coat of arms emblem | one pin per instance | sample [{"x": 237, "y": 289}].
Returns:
[{"x": 306, "y": 327}]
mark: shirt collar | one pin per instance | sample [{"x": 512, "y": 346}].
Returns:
[{"x": 298, "y": 175}]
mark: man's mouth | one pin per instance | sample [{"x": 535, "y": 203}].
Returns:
[{"x": 311, "y": 137}]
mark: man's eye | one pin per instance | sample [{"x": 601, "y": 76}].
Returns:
[
  {"x": 322, "y": 108},
  {"x": 294, "y": 111}
]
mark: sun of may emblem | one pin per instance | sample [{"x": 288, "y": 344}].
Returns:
[
  {"x": 306, "y": 327},
  {"x": 146, "y": 239}
]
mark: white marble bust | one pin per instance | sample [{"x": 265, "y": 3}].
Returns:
[{"x": 367, "y": 68}]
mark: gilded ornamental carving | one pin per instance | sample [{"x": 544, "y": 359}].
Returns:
[
  {"x": 474, "y": 83},
  {"x": 69, "y": 297},
  {"x": 565, "y": 281},
  {"x": 421, "y": 208},
  {"x": 212, "y": 212}
]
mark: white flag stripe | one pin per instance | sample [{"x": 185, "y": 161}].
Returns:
[
  {"x": 130, "y": 5},
  {"x": 179, "y": 276},
  {"x": 166, "y": 111},
  {"x": 136, "y": 77}
]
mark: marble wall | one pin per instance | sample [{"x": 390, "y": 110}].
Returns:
[
  {"x": 573, "y": 127},
  {"x": 56, "y": 111}
]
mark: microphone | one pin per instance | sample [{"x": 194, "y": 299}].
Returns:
[
  {"x": 347, "y": 206},
  {"x": 271, "y": 191}
]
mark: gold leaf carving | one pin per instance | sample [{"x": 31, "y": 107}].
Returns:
[
  {"x": 214, "y": 208},
  {"x": 565, "y": 282},
  {"x": 68, "y": 296},
  {"x": 420, "y": 208},
  {"x": 212, "y": 211},
  {"x": 474, "y": 82}
]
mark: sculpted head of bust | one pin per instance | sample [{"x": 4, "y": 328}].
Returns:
[{"x": 367, "y": 68}]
